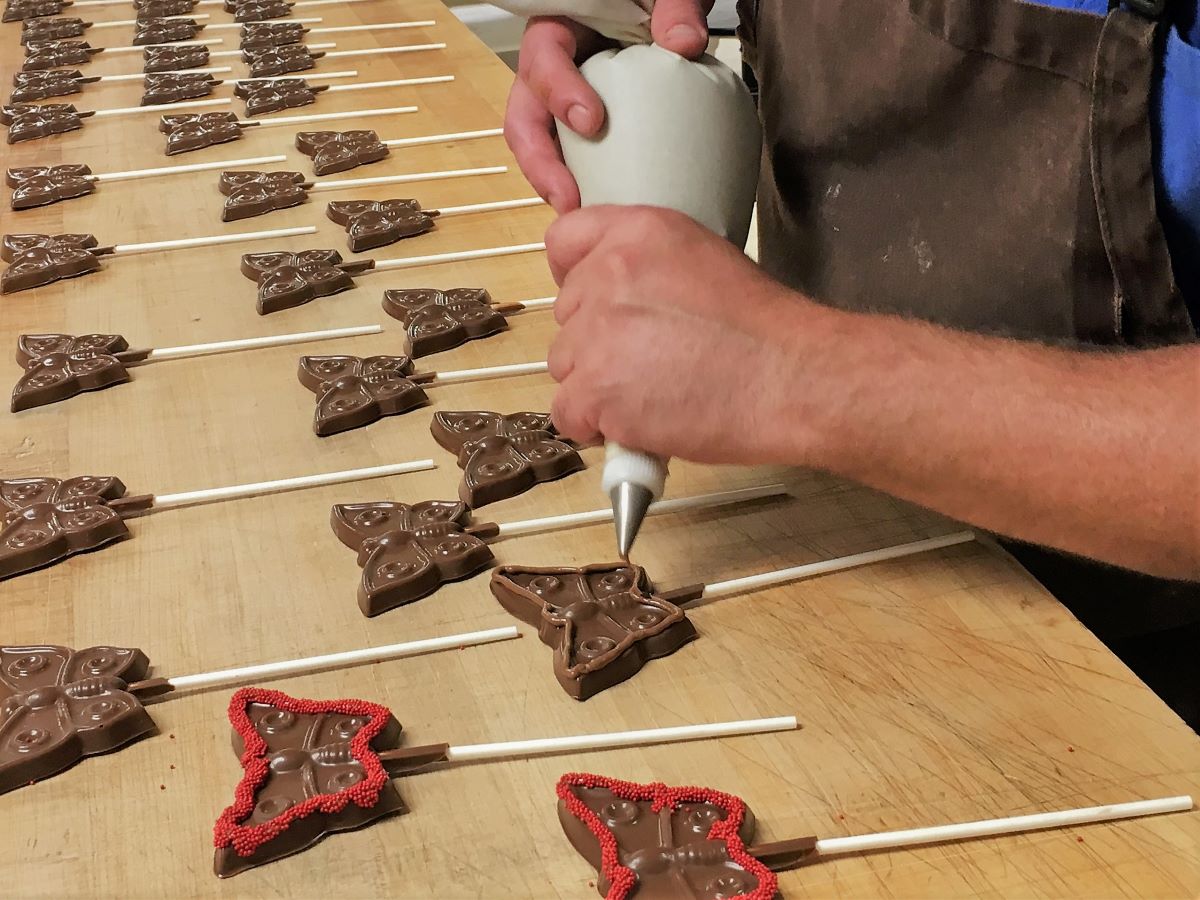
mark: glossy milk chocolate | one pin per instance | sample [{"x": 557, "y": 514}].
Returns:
[
  {"x": 60, "y": 366},
  {"x": 604, "y": 622},
  {"x": 272, "y": 96},
  {"x": 407, "y": 552},
  {"x": 175, "y": 87},
  {"x": 287, "y": 279},
  {"x": 172, "y": 59},
  {"x": 18, "y": 10},
  {"x": 28, "y": 122},
  {"x": 442, "y": 320},
  {"x": 164, "y": 31},
  {"x": 160, "y": 9},
  {"x": 352, "y": 391},
  {"x": 262, "y": 35},
  {"x": 42, "y": 185},
  {"x": 339, "y": 151},
  {"x": 59, "y": 705},
  {"x": 258, "y": 10},
  {"x": 40, "y": 259},
  {"x": 196, "y": 131},
  {"x": 377, "y": 223},
  {"x": 280, "y": 60},
  {"x": 59, "y": 29},
  {"x": 30, "y": 86},
  {"x": 40, "y": 55},
  {"x": 250, "y": 193}
]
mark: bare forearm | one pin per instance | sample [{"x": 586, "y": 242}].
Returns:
[{"x": 1094, "y": 453}]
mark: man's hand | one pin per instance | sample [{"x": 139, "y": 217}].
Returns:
[
  {"x": 671, "y": 340},
  {"x": 549, "y": 87}
]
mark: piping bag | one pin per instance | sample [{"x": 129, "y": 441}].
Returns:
[{"x": 679, "y": 134}]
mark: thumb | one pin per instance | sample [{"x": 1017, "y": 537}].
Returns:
[{"x": 680, "y": 26}]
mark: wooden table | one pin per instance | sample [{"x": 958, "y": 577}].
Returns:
[{"x": 939, "y": 688}]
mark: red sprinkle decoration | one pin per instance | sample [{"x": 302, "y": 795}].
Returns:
[
  {"x": 623, "y": 880},
  {"x": 245, "y": 839}
]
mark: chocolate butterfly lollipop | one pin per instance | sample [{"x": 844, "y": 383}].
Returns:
[
  {"x": 59, "y": 705},
  {"x": 41, "y": 55},
  {"x": 263, "y": 35},
  {"x": 280, "y": 60},
  {"x": 258, "y": 10},
  {"x": 339, "y": 151},
  {"x": 195, "y": 131},
  {"x": 157, "y": 9},
  {"x": 354, "y": 391},
  {"x": 604, "y": 621},
  {"x": 38, "y": 259},
  {"x": 377, "y": 223},
  {"x": 164, "y": 31},
  {"x": 282, "y": 93},
  {"x": 16, "y": 10},
  {"x": 288, "y": 279},
  {"x": 656, "y": 842},
  {"x": 40, "y": 185},
  {"x": 174, "y": 87},
  {"x": 441, "y": 320},
  {"x": 48, "y": 519},
  {"x": 59, "y": 366},
  {"x": 407, "y": 551},
  {"x": 34, "y": 30},
  {"x": 251, "y": 194},
  {"x": 171, "y": 59},
  {"x": 28, "y": 122},
  {"x": 29, "y": 86}
]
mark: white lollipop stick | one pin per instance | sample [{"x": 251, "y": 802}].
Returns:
[
  {"x": 308, "y": 76},
  {"x": 460, "y": 256},
  {"x": 539, "y": 303},
  {"x": 140, "y": 76},
  {"x": 342, "y": 183},
  {"x": 275, "y": 340},
  {"x": 370, "y": 51},
  {"x": 229, "y": 25},
  {"x": 912, "y": 837},
  {"x": 661, "y": 508},
  {"x": 489, "y": 207},
  {"x": 140, "y": 47},
  {"x": 461, "y": 375},
  {"x": 188, "y": 243},
  {"x": 377, "y": 27},
  {"x": 241, "y": 491},
  {"x": 770, "y": 579},
  {"x": 331, "y": 116},
  {"x": 161, "y": 107},
  {"x": 399, "y": 82},
  {"x": 613, "y": 740},
  {"x": 250, "y": 674},
  {"x": 444, "y": 138},
  {"x": 180, "y": 170},
  {"x": 121, "y": 22}
]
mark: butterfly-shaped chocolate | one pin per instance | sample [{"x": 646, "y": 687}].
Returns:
[
  {"x": 604, "y": 622},
  {"x": 288, "y": 279},
  {"x": 282, "y": 93},
  {"x": 656, "y": 842},
  {"x": 407, "y": 551},
  {"x": 276, "y": 61},
  {"x": 164, "y": 31},
  {"x": 59, "y": 705},
  {"x": 28, "y": 122},
  {"x": 41, "y": 55},
  {"x": 339, "y": 151},
  {"x": 501, "y": 459},
  {"x": 377, "y": 223},
  {"x": 13, "y": 245},
  {"x": 172, "y": 59},
  {"x": 310, "y": 768},
  {"x": 258, "y": 10},
  {"x": 441, "y": 320},
  {"x": 42, "y": 185},
  {"x": 47, "y": 261},
  {"x": 354, "y": 391},
  {"x": 249, "y": 194},
  {"x": 34, "y": 30},
  {"x": 174, "y": 87},
  {"x": 261, "y": 35},
  {"x": 29, "y": 86},
  {"x": 195, "y": 131},
  {"x": 60, "y": 366},
  {"x": 157, "y": 9},
  {"x": 45, "y": 520},
  {"x": 17, "y": 10}
]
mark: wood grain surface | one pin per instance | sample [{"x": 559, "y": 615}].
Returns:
[{"x": 940, "y": 688}]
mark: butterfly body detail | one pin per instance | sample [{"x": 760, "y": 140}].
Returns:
[
  {"x": 407, "y": 551},
  {"x": 339, "y": 151},
  {"x": 249, "y": 194},
  {"x": 173, "y": 87},
  {"x": 353, "y": 391},
  {"x": 287, "y": 280},
  {"x": 280, "y": 60},
  {"x": 377, "y": 223},
  {"x": 59, "y": 366},
  {"x": 272, "y": 96},
  {"x": 42, "y": 185},
  {"x": 28, "y": 122},
  {"x": 44, "y": 259},
  {"x": 170, "y": 59},
  {"x": 59, "y": 705},
  {"x": 198, "y": 130},
  {"x": 435, "y": 320}
]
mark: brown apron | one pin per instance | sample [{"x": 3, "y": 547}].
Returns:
[{"x": 984, "y": 164}]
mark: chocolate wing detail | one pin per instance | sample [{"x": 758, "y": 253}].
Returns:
[
  {"x": 496, "y": 468},
  {"x": 58, "y": 706},
  {"x": 164, "y": 31},
  {"x": 32, "y": 346},
  {"x": 35, "y": 30},
  {"x": 274, "y": 96},
  {"x": 353, "y": 392},
  {"x": 339, "y": 151},
  {"x": 172, "y": 59},
  {"x": 280, "y": 60},
  {"x": 258, "y": 10},
  {"x": 44, "y": 265},
  {"x": 251, "y": 194},
  {"x": 662, "y": 843},
  {"x": 311, "y": 769},
  {"x": 40, "y": 55},
  {"x": 286, "y": 280},
  {"x": 262, "y": 35},
  {"x": 13, "y": 245},
  {"x": 158, "y": 9},
  {"x": 174, "y": 87},
  {"x": 603, "y": 621},
  {"x": 453, "y": 430},
  {"x": 195, "y": 132},
  {"x": 42, "y": 185},
  {"x": 28, "y": 123},
  {"x": 376, "y": 223},
  {"x": 16, "y": 10},
  {"x": 404, "y": 566},
  {"x": 60, "y": 376},
  {"x": 30, "y": 86},
  {"x": 441, "y": 320},
  {"x": 357, "y": 523}
]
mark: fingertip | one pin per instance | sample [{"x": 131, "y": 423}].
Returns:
[{"x": 686, "y": 40}]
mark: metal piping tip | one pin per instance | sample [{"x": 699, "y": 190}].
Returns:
[{"x": 630, "y": 502}]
